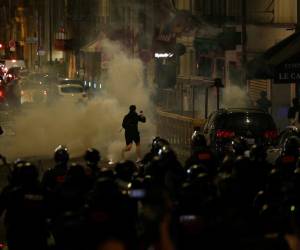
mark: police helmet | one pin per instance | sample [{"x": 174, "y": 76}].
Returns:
[
  {"x": 193, "y": 171},
  {"x": 61, "y": 154},
  {"x": 240, "y": 146},
  {"x": 125, "y": 170},
  {"x": 25, "y": 172},
  {"x": 166, "y": 153},
  {"x": 92, "y": 156},
  {"x": 292, "y": 145},
  {"x": 198, "y": 139},
  {"x": 258, "y": 152},
  {"x": 106, "y": 172},
  {"x": 157, "y": 144},
  {"x": 76, "y": 171},
  {"x": 14, "y": 173}
]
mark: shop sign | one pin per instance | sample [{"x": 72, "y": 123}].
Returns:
[{"x": 288, "y": 72}]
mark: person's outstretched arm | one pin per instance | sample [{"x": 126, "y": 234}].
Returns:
[{"x": 142, "y": 118}]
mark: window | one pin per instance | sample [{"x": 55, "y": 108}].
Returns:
[
  {"x": 204, "y": 66},
  {"x": 220, "y": 68},
  {"x": 216, "y": 8}
]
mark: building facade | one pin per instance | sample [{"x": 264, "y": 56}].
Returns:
[{"x": 227, "y": 35}]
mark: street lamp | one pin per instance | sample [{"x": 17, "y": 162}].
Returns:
[{"x": 217, "y": 83}]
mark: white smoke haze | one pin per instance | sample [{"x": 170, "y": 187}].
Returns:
[
  {"x": 97, "y": 124},
  {"x": 235, "y": 97}
]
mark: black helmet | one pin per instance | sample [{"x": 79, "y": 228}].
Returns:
[
  {"x": 157, "y": 144},
  {"x": 195, "y": 170},
  {"x": 92, "y": 156},
  {"x": 258, "y": 152},
  {"x": 76, "y": 173},
  {"x": 14, "y": 173},
  {"x": 61, "y": 154},
  {"x": 292, "y": 146},
  {"x": 166, "y": 153},
  {"x": 240, "y": 146},
  {"x": 198, "y": 140},
  {"x": 27, "y": 172},
  {"x": 106, "y": 172},
  {"x": 125, "y": 170}
]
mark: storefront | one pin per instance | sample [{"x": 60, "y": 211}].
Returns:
[
  {"x": 90, "y": 61},
  {"x": 279, "y": 67}
]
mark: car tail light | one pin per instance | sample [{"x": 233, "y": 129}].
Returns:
[
  {"x": 270, "y": 134},
  {"x": 225, "y": 134},
  {"x": 1, "y": 94}
]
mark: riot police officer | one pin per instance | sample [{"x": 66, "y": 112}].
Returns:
[
  {"x": 25, "y": 218},
  {"x": 54, "y": 177},
  {"x": 92, "y": 158}
]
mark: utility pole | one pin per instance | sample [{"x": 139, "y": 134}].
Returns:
[
  {"x": 297, "y": 87},
  {"x": 244, "y": 42},
  {"x": 39, "y": 37},
  {"x": 50, "y": 30},
  {"x": 298, "y": 16}
]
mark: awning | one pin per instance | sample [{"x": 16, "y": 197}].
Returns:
[
  {"x": 94, "y": 46},
  {"x": 281, "y": 62}
]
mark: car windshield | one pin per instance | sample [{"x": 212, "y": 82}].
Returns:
[
  {"x": 72, "y": 81},
  {"x": 240, "y": 121},
  {"x": 72, "y": 89}
]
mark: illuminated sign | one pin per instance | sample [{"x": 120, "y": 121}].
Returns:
[
  {"x": 163, "y": 55},
  {"x": 288, "y": 71}
]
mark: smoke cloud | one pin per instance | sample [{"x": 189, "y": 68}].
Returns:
[
  {"x": 235, "y": 97},
  {"x": 41, "y": 128}
]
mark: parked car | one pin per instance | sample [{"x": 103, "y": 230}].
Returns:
[
  {"x": 223, "y": 127},
  {"x": 36, "y": 88},
  {"x": 71, "y": 81},
  {"x": 72, "y": 93},
  {"x": 10, "y": 63},
  {"x": 91, "y": 88}
]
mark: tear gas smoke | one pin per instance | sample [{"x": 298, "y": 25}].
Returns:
[
  {"x": 41, "y": 129},
  {"x": 235, "y": 97}
]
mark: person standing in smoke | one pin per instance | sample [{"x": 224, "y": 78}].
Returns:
[
  {"x": 130, "y": 124},
  {"x": 263, "y": 102},
  {"x": 293, "y": 113}
]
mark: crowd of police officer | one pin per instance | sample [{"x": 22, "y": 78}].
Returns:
[{"x": 239, "y": 202}]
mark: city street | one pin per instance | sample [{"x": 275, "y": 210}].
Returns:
[{"x": 150, "y": 124}]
